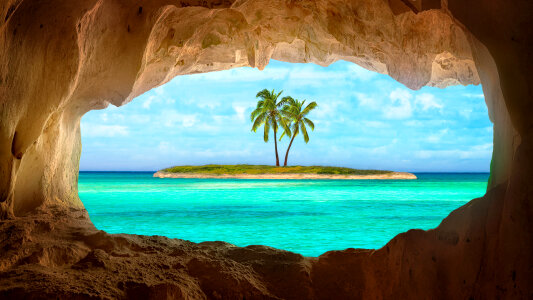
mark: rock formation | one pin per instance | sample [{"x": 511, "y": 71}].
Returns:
[{"x": 60, "y": 60}]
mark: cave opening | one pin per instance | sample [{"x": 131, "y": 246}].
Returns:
[
  {"x": 364, "y": 120},
  {"x": 62, "y": 60}
]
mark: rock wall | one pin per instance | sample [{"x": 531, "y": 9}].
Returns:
[{"x": 60, "y": 60}]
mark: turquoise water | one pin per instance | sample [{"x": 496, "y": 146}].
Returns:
[{"x": 304, "y": 216}]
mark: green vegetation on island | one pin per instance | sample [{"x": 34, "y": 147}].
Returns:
[{"x": 264, "y": 169}]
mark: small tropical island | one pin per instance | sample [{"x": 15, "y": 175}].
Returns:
[
  {"x": 273, "y": 172},
  {"x": 291, "y": 116}
]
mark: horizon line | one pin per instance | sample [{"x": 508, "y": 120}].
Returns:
[{"x": 153, "y": 171}]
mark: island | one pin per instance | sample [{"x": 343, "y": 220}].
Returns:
[{"x": 273, "y": 172}]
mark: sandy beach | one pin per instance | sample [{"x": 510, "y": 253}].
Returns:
[{"x": 392, "y": 175}]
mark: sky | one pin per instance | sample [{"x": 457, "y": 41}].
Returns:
[{"x": 364, "y": 120}]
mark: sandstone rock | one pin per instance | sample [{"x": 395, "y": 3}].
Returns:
[{"x": 62, "y": 59}]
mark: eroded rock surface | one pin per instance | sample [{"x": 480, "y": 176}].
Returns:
[{"x": 60, "y": 59}]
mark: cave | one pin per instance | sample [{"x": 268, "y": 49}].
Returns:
[{"x": 61, "y": 60}]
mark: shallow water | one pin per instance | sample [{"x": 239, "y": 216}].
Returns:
[{"x": 304, "y": 216}]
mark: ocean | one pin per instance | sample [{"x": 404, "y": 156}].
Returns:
[{"x": 309, "y": 217}]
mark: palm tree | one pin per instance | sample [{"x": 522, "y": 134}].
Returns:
[
  {"x": 267, "y": 114},
  {"x": 294, "y": 111}
]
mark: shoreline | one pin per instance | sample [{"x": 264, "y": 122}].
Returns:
[{"x": 392, "y": 175}]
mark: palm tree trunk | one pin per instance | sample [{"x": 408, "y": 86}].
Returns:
[
  {"x": 276, "y": 147},
  {"x": 289, "y": 148}
]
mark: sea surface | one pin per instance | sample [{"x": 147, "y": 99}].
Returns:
[{"x": 304, "y": 216}]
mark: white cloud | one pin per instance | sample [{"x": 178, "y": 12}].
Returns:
[
  {"x": 482, "y": 147},
  {"x": 99, "y": 130},
  {"x": 214, "y": 153},
  {"x": 161, "y": 97},
  {"x": 310, "y": 75},
  {"x": 379, "y": 150},
  {"x": 375, "y": 124},
  {"x": 160, "y": 90},
  {"x": 307, "y": 74},
  {"x": 300, "y": 74},
  {"x": 470, "y": 95},
  {"x": 171, "y": 118},
  {"x": 204, "y": 104},
  {"x": 239, "y": 110},
  {"x": 117, "y": 117},
  {"x": 474, "y": 152},
  {"x": 188, "y": 120},
  {"x": 329, "y": 109},
  {"x": 366, "y": 100},
  {"x": 242, "y": 75},
  {"x": 427, "y": 101},
  {"x": 383, "y": 150},
  {"x": 212, "y": 128},
  {"x": 466, "y": 113},
  {"x": 165, "y": 147},
  {"x": 138, "y": 118},
  {"x": 401, "y": 105},
  {"x": 414, "y": 123},
  {"x": 322, "y": 125},
  {"x": 148, "y": 102},
  {"x": 358, "y": 72},
  {"x": 436, "y": 137}
]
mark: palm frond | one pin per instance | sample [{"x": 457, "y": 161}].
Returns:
[
  {"x": 309, "y": 108},
  {"x": 260, "y": 104},
  {"x": 255, "y": 113},
  {"x": 285, "y": 127},
  {"x": 309, "y": 123},
  {"x": 260, "y": 119},
  {"x": 286, "y": 101},
  {"x": 304, "y": 132},
  {"x": 295, "y": 128},
  {"x": 274, "y": 123},
  {"x": 266, "y": 132},
  {"x": 288, "y": 112},
  {"x": 283, "y": 112},
  {"x": 263, "y": 94}
]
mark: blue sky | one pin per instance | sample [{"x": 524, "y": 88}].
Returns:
[{"x": 364, "y": 120}]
